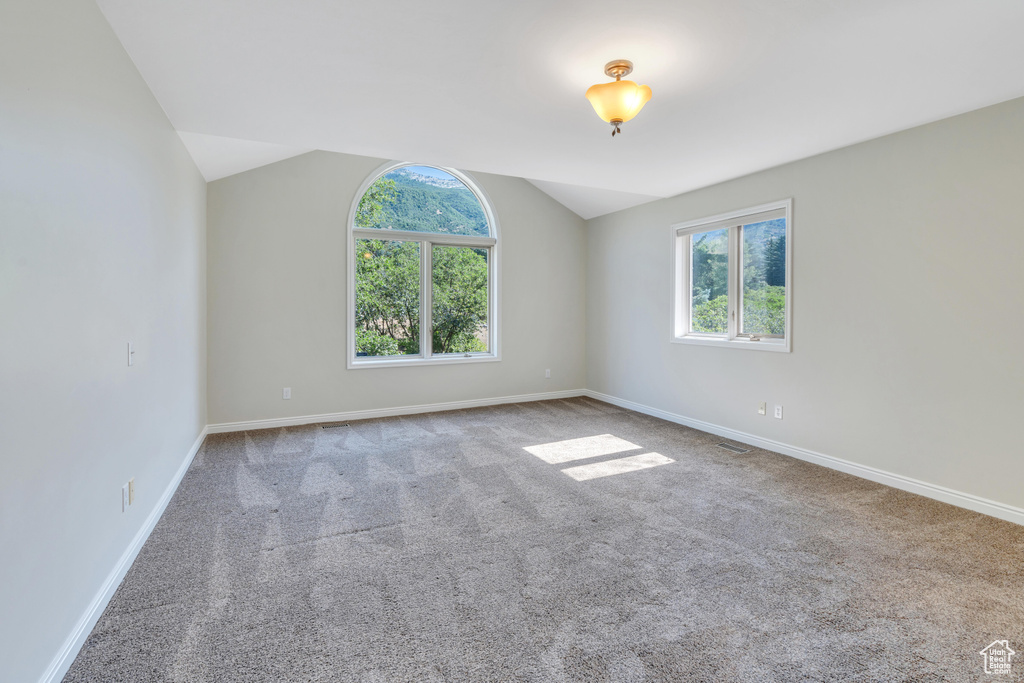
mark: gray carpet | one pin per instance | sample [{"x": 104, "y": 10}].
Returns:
[{"x": 435, "y": 548}]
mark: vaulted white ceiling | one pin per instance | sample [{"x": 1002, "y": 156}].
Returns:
[
  {"x": 219, "y": 157},
  {"x": 481, "y": 85}
]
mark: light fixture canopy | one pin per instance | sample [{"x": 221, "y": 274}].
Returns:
[{"x": 618, "y": 101}]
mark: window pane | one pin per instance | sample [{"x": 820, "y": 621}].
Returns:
[
  {"x": 424, "y": 199},
  {"x": 387, "y": 298},
  {"x": 709, "y": 256},
  {"x": 764, "y": 278},
  {"x": 460, "y": 300}
]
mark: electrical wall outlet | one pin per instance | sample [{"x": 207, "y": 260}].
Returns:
[
  {"x": 125, "y": 497},
  {"x": 287, "y": 393},
  {"x": 762, "y": 409},
  {"x": 131, "y": 354},
  {"x": 547, "y": 374},
  {"x": 778, "y": 412},
  {"x": 131, "y": 492}
]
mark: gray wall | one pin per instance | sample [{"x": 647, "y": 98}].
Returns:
[
  {"x": 102, "y": 240},
  {"x": 277, "y": 287},
  {"x": 908, "y": 292}
]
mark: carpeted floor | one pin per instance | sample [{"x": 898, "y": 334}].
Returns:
[{"x": 435, "y": 548}]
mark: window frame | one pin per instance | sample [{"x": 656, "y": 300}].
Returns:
[
  {"x": 427, "y": 242},
  {"x": 682, "y": 295}
]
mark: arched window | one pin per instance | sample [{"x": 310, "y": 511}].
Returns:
[{"x": 423, "y": 260}]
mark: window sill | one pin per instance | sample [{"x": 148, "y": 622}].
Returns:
[
  {"x": 778, "y": 346},
  {"x": 357, "y": 364}
]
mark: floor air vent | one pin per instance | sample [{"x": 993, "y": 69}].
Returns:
[
  {"x": 334, "y": 426},
  {"x": 734, "y": 449}
]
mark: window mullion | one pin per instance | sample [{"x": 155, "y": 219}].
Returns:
[
  {"x": 734, "y": 278},
  {"x": 682, "y": 290},
  {"x": 688, "y": 275},
  {"x": 439, "y": 238},
  {"x": 426, "y": 298},
  {"x": 492, "y": 327}
]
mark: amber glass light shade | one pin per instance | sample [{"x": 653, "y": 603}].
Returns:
[{"x": 618, "y": 100}]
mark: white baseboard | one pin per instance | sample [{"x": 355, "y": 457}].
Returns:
[
  {"x": 387, "y": 412},
  {"x": 69, "y": 650},
  {"x": 922, "y": 488}
]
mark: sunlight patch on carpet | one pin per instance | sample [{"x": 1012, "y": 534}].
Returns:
[
  {"x": 607, "y": 468},
  {"x": 578, "y": 449}
]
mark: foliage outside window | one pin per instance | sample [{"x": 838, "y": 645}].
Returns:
[
  {"x": 459, "y": 300},
  {"x": 733, "y": 279},
  {"x": 423, "y": 260},
  {"x": 387, "y": 298}
]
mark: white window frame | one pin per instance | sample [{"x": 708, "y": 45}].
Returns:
[
  {"x": 426, "y": 241},
  {"x": 682, "y": 297}
]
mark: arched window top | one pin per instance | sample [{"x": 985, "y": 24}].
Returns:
[{"x": 425, "y": 199}]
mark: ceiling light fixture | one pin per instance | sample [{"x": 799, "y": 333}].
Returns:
[{"x": 620, "y": 101}]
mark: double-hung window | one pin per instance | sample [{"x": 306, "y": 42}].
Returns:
[
  {"x": 422, "y": 270},
  {"x": 733, "y": 279}
]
